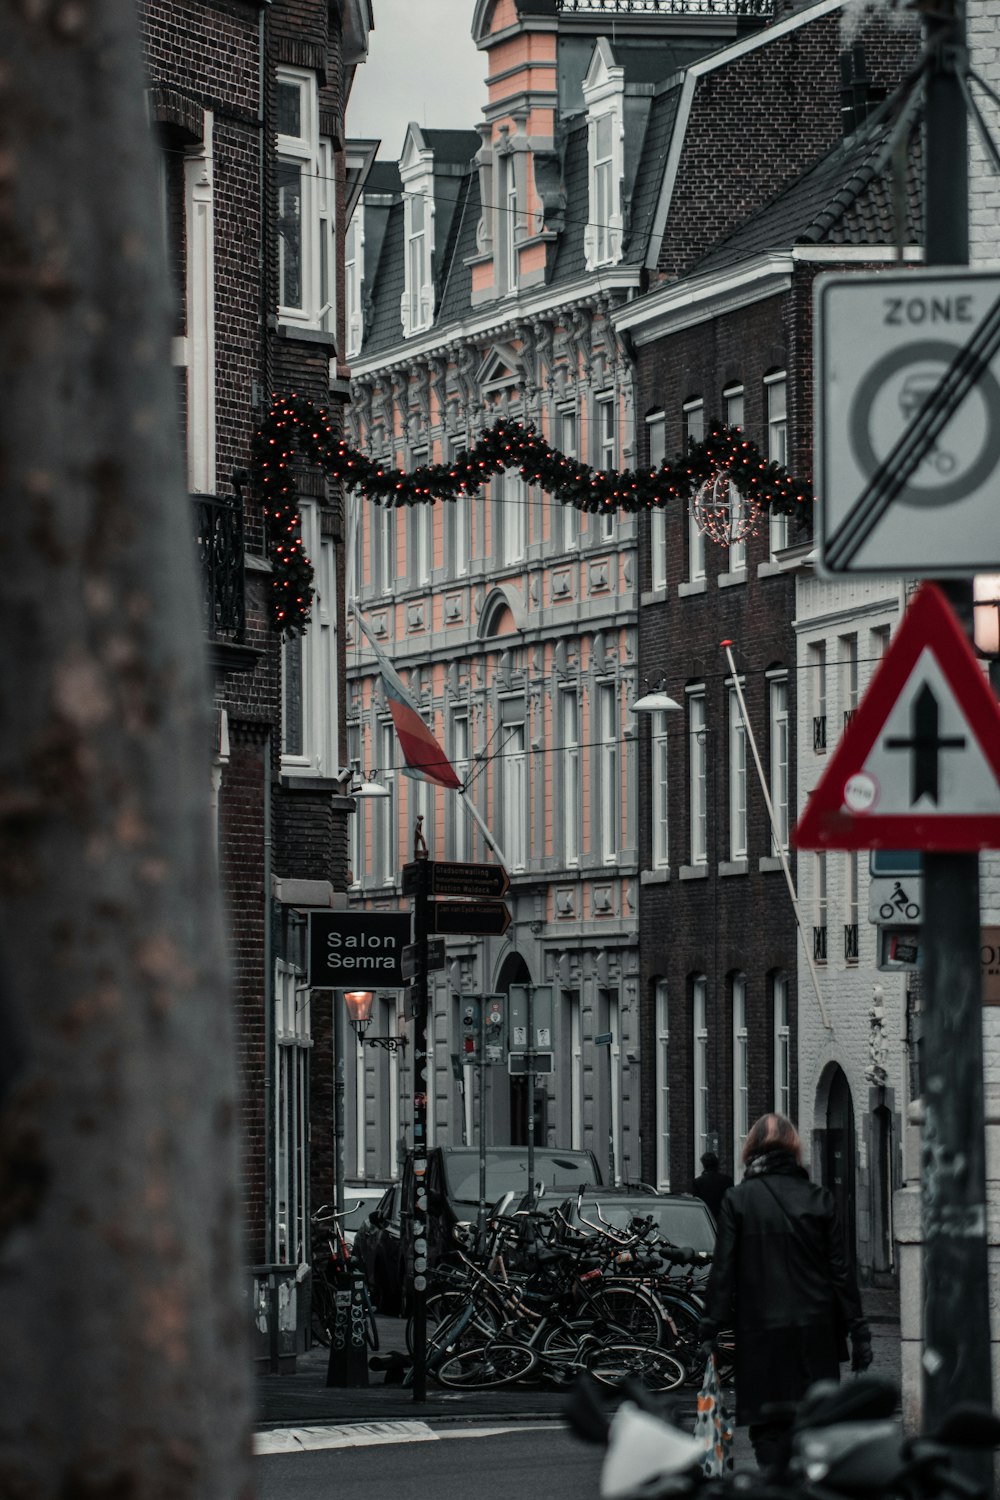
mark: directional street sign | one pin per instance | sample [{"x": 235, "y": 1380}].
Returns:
[
  {"x": 436, "y": 957},
  {"x": 918, "y": 766},
  {"x": 477, "y": 918},
  {"x": 451, "y": 878},
  {"x": 907, "y": 368}
]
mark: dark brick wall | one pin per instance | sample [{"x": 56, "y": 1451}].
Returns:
[
  {"x": 757, "y": 123},
  {"x": 205, "y": 55},
  {"x": 721, "y": 924}
]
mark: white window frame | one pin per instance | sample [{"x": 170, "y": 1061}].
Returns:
[
  {"x": 694, "y": 430},
  {"x": 569, "y": 738},
  {"x": 292, "y": 1041},
  {"x": 313, "y": 156},
  {"x": 604, "y": 96},
  {"x": 659, "y": 769},
  {"x": 384, "y": 810},
  {"x": 656, "y": 446},
  {"x": 421, "y": 539},
  {"x": 778, "y": 750},
  {"x": 816, "y": 652},
  {"x": 821, "y": 904},
  {"x": 510, "y": 513},
  {"x": 317, "y": 655},
  {"x": 461, "y": 758},
  {"x": 851, "y": 900},
  {"x": 782, "y": 1044},
  {"x": 416, "y": 307},
  {"x": 776, "y": 401},
  {"x": 569, "y": 516},
  {"x": 848, "y": 663},
  {"x": 741, "y": 1066},
  {"x": 697, "y": 778},
  {"x": 199, "y": 294},
  {"x": 605, "y": 451},
  {"x": 699, "y": 1067},
  {"x": 576, "y": 1088},
  {"x": 733, "y": 396},
  {"x": 354, "y": 280},
  {"x": 737, "y": 779},
  {"x": 610, "y": 790},
  {"x": 505, "y": 238},
  {"x": 514, "y": 795},
  {"x": 662, "y": 1022}
]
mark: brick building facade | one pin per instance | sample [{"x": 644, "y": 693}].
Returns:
[
  {"x": 733, "y": 1023},
  {"x": 248, "y": 104}
]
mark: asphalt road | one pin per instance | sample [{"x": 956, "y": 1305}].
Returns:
[{"x": 449, "y": 1465}]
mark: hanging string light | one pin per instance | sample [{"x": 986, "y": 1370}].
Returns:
[
  {"x": 722, "y": 513},
  {"x": 296, "y": 428}
]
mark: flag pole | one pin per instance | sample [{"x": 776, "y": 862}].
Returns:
[
  {"x": 481, "y": 824},
  {"x": 778, "y": 844}
]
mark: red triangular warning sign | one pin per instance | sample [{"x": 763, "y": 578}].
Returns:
[{"x": 918, "y": 766}]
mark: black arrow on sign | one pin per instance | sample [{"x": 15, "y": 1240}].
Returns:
[{"x": 926, "y": 744}]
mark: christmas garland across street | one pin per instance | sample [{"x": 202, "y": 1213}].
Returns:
[{"x": 295, "y": 428}]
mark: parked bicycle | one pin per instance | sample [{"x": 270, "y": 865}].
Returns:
[{"x": 335, "y": 1272}]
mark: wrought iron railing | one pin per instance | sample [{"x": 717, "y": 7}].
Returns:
[
  {"x": 851, "y": 942},
  {"x": 667, "y": 7},
  {"x": 219, "y": 532},
  {"x": 819, "y": 731},
  {"x": 849, "y": 715},
  {"x": 819, "y": 944}
]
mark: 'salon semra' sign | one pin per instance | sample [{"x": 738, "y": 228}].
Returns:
[{"x": 348, "y": 949}]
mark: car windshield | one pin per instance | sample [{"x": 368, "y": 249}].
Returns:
[
  {"x": 681, "y": 1223},
  {"x": 508, "y": 1172}
]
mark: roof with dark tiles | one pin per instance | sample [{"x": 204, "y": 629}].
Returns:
[
  {"x": 383, "y": 178},
  {"x": 845, "y": 198},
  {"x": 452, "y": 147},
  {"x": 455, "y": 295},
  {"x": 387, "y": 282},
  {"x": 648, "y": 177}
]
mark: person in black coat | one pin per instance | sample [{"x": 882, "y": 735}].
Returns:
[
  {"x": 710, "y": 1184},
  {"x": 781, "y": 1277}
]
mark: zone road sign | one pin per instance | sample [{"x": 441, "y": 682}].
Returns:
[
  {"x": 918, "y": 766},
  {"x": 888, "y": 347}
]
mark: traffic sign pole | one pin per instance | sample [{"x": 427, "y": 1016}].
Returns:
[
  {"x": 956, "y": 1362},
  {"x": 419, "y": 1004}
]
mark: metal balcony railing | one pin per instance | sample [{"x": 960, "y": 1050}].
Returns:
[
  {"x": 219, "y": 533},
  {"x": 666, "y": 7},
  {"x": 849, "y": 715},
  {"x": 819, "y": 944},
  {"x": 819, "y": 731},
  {"x": 851, "y": 942}
]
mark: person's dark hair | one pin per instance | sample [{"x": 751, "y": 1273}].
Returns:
[
  {"x": 771, "y": 1133},
  {"x": 710, "y": 1161}
]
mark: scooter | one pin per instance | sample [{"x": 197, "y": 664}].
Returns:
[{"x": 845, "y": 1443}]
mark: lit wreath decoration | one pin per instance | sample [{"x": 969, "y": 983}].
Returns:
[
  {"x": 297, "y": 430},
  {"x": 722, "y": 512}
]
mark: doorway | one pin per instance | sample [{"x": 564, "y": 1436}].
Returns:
[{"x": 839, "y": 1157}]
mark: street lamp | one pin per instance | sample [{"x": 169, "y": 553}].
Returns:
[
  {"x": 656, "y": 700},
  {"x": 986, "y": 614},
  {"x": 359, "y": 1008},
  {"x": 367, "y": 786}
]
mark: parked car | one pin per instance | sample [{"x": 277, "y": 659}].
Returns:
[
  {"x": 453, "y": 1197},
  {"x": 378, "y": 1244},
  {"x": 678, "y": 1217}
]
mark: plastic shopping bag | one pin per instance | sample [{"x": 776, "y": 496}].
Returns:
[{"x": 713, "y": 1425}]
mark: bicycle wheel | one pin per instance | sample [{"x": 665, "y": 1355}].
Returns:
[
  {"x": 630, "y": 1310},
  {"x": 444, "y": 1306},
  {"x": 682, "y": 1334},
  {"x": 371, "y": 1327},
  {"x": 321, "y": 1312},
  {"x": 613, "y": 1363},
  {"x": 489, "y": 1366}
]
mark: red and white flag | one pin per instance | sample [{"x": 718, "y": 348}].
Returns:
[{"x": 424, "y": 759}]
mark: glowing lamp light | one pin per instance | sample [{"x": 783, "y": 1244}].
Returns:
[
  {"x": 359, "y": 1008},
  {"x": 986, "y": 614}
]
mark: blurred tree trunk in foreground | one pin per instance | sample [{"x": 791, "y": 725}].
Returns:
[{"x": 123, "y": 1365}]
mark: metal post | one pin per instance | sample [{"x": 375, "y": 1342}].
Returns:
[
  {"x": 953, "y": 1168},
  {"x": 611, "y": 1112},
  {"x": 337, "y": 1000},
  {"x": 481, "y": 1070},
  {"x": 530, "y": 1066},
  {"x": 419, "y": 993}
]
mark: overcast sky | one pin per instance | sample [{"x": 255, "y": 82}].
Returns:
[{"x": 421, "y": 66}]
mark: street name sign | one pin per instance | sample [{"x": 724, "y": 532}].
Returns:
[
  {"x": 348, "y": 949},
  {"x": 907, "y": 372},
  {"x": 918, "y": 767},
  {"x": 476, "y": 918},
  {"x": 455, "y": 878},
  {"x": 436, "y": 957}
]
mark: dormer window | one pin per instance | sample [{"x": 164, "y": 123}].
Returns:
[
  {"x": 416, "y": 169},
  {"x": 305, "y": 206},
  {"x": 354, "y": 274},
  {"x": 505, "y": 247},
  {"x": 604, "y": 93}
]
